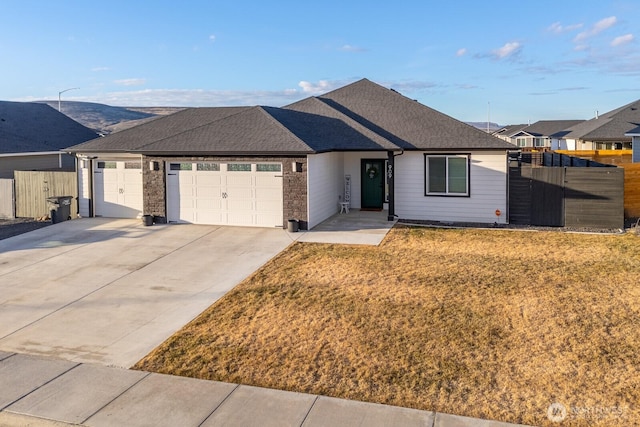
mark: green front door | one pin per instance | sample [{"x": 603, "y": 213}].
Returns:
[{"x": 372, "y": 183}]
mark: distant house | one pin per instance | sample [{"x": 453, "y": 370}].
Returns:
[
  {"x": 542, "y": 134},
  {"x": 362, "y": 144},
  {"x": 32, "y": 135},
  {"x": 507, "y": 133},
  {"x": 607, "y": 131}
]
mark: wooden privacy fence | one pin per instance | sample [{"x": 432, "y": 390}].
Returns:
[
  {"x": 33, "y": 187},
  {"x": 7, "y": 199},
  {"x": 566, "y": 196},
  {"x": 631, "y": 189}
]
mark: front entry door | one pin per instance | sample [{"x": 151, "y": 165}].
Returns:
[{"x": 372, "y": 183}]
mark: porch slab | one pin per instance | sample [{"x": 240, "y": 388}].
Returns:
[{"x": 354, "y": 228}]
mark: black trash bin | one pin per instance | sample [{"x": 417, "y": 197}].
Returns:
[
  {"x": 147, "y": 220},
  {"x": 59, "y": 208},
  {"x": 293, "y": 226}
]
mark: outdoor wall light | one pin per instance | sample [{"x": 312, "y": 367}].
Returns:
[
  {"x": 153, "y": 165},
  {"x": 296, "y": 166}
]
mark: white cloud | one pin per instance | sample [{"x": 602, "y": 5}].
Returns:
[
  {"x": 98, "y": 69},
  {"x": 461, "y": 52},
  {"x": 195, "y": 98},
  {"x": 558, "y": 28},
  {"x": 622, "y": 40},
  {"x": 596, "y": 29},
  {"x": 509, "y": 49},
  {"x": 317, "y": 88},
  {"x": 130, "y": 82},
  {"x": 212, "y": 38},
  {"x": 351, "y": 48}
]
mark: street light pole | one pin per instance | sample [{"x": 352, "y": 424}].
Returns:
[{"x": 59, "y": 96}]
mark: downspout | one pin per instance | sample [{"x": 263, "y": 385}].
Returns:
[
  {"x": 391, "y": 180},
  {"x": 90, "y": 186}
]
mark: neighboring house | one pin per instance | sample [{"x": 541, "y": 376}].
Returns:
[
  {"x": 507, "y": 133},
  {"x": 32, "y": 135},
  {"x": 635, "y": 142},
  {"x": 261, "y": 166},
  {"x": 604, "y": 132},
  {"x": 542, "y": 134}
]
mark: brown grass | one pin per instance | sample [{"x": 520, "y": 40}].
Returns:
[{"x": 489, "y": 324}]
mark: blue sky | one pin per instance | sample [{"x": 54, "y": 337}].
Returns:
[{"x": 513, "y": 61}]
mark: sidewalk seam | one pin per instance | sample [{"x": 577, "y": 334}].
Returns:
[
  {"x": 219, "y": 405},
  {"x": 309, "y": 411},
  {"x": 112, "y": 400},
  {"x": 40, "y": 386}
]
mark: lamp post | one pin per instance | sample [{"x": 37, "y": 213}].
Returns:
[{"x": 59, "y": 96}]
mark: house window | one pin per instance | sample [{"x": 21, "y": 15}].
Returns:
[
  {"x": 521, "y": 142},
  {"x": 446, "y": 175},
  {"x": 538, "y": 142}
]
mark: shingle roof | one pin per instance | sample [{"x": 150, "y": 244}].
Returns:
[
  {"x": 546, "y": 128},
  {"x": 609, "y": 126},
  {"x": 27, "y": 127},
  {"x": 360, "y": 116},
  {"x": 510, "y": 130},
  {"x": 157, "y": 129},
  {"x": 405, "y": 122}
]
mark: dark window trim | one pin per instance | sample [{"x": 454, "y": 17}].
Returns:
[{"x": 426, "y": 184}]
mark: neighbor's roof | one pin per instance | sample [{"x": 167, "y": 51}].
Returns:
[
  {"x": 547, "y": 128},
  {"x": 27, "y": 127},
  {"x": 510, "y": 130},
  {"x": 612, "y": 125},
  {"x": 360, "y": 116},
  {"x": 634, "y": 132}
]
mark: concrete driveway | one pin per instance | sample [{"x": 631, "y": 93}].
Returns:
[{"x": 109, "y": 291}]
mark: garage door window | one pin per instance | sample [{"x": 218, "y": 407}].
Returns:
[
  {"x": 215, "y": 167},
  {"x": 132, "y": 165},
  {"x": 269, "y": 167},
  {"x": 106, "y": 165},
  {"x": 180, "y": 166},
  {"x": 239, "y": 167}
]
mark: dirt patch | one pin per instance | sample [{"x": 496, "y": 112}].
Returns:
[{"x": 14, "y": 227}]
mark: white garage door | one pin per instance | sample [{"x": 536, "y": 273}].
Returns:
[
  {"x": 225, "y": 193},
  {"x": 118, "y": 189}
]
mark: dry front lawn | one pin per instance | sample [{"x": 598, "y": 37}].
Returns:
[{"x": 489, "y": 324}]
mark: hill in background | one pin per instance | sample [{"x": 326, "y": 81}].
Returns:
[{"x": 106, "y": 119}]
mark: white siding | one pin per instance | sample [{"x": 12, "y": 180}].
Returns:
[
  {"x": 636, "y": 149},
  {"x": 83, "y": 189},
  {"x": 352, "y": 166},
  {"x": 488, "y": 190},
  {"x": 325, "y": 182}
]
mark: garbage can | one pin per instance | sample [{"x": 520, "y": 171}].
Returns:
[
  {"x": 147, "y": 220},
  {"x": 59, "y": 208},
  {"x": 293, "y": 226}
]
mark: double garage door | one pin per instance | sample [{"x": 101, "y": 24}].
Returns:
[{"x": 242, "y": 193}]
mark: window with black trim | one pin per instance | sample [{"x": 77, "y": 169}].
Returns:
[{"x": 446, "y": 174}]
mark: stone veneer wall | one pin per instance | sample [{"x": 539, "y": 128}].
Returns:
[{"x": 294, "y": 184}]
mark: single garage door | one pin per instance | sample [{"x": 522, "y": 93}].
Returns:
[
  {"x": 246, "y": 194},
  {"x": 118, "y": 188}
]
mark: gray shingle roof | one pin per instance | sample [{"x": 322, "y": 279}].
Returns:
[
  {"x": 510, "y": 130},
  {"x": 360, "y": 116},
  {"x": 27, "y": 127},
  {"x": 609, "y": 126},
  {"x": 405, "y": 122},
  {"x": 547, "y": 128}
]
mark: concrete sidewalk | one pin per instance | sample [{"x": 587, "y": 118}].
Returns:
[{"x": 41, "y": 392}]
